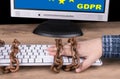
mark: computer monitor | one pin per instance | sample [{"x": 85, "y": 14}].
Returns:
[{"x": 60, "y": 14}]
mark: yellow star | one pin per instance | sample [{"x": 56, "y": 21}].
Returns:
[
  {"x": 71, "y": 0},
  {"x": 61, "y": 1}
]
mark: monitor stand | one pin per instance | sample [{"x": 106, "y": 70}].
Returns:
[{"x": 58, "y": 28}]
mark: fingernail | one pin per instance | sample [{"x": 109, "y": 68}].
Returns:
[{"x": 78, "y": 70}]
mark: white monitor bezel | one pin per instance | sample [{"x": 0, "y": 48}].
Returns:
[{"x": 60, "y": 14}]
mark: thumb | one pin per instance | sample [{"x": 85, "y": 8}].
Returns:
[{"x": 85, "y": 64}]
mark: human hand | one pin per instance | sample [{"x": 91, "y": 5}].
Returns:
[{"x": 91, "y": 50}]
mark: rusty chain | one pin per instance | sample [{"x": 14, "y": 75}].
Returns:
[
  {"x": 75, "y": 56},
  {"x": 2, "y": 43},
  {"x": 14, "y": 62},
  {"x": 58, "y": 61}
]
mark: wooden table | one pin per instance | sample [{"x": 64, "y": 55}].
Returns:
[{"x": 23, "y": 32}]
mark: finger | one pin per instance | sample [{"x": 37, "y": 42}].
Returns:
[
  {"x": 67, "y": 46},
  {"x": 86, "y": 64},
  {"x": 52, "y": 45},
  {"x": 51, "y": 49},
  {"x": 52, "y": 53},
  {"x": 66, "y": 50}
]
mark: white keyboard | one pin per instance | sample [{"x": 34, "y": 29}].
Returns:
[{"x": 33, "y": 55}]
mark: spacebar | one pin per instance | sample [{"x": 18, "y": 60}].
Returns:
[{"x": 32, "y": 64}]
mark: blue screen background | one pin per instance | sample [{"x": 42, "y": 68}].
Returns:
[{"x": 54, "y": 5}]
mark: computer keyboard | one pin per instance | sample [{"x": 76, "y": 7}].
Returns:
[{"x": 34, "y": 55}]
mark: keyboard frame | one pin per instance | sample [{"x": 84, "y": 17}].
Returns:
[{"x": 97, "y": 63}]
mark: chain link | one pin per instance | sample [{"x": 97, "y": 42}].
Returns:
[
  {"x": 58, "y": 61},
  {"x": 14, "y": 62},
  {"x": 75, "y": 56},
  {"x": 2, "y": 43}
]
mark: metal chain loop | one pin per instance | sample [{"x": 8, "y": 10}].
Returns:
[
  {"x": 2, "y": 43},
  {"x": 75, "y": 56},
  {"x": 14, "y": 62},
  {"x": 58, "y": 61}
]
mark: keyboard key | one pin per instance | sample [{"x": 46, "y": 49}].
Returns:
[
  {"x": 33, "y": 56},
  {"x": 20, "y": 56},
  {"x": 4, "y": 61},
  {"x": 38, "y": 60},
  {"x": 7, "y": 57},
  {"x": 31, "y": 60},
  {"x": 48, "y": 59},
  {"x": 26, "y": 57},
  {"x": 5, "y": 53},
  {"x": 25, "y": 60},
  {"x": 65, "y": 59},
  {"x": 1, "y": 57}
]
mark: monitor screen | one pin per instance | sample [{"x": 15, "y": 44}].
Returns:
[{"x": 88, "y": 10}]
